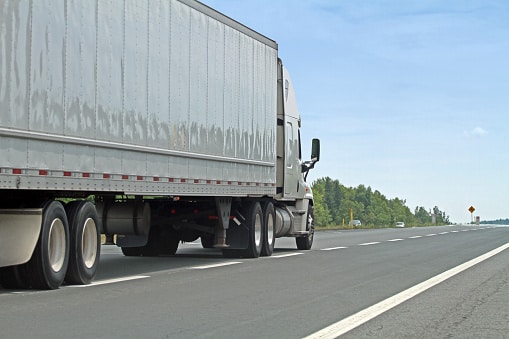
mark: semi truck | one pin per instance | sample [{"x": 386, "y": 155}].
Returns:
[{"x": 142, "y": 124}]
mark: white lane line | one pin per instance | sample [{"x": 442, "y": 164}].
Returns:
[
  {"x": 465, "y": 230},
  {"x": 430, "y": 235},
  {"x": 203, "y": 267},
  {"x": 359, "y": 318},
  {"x": 443, "y": 233},
  {"x": 392, "y": 240},
  {"x": 112, "y": 281},
  {"x": 415, "y": 237},
  {"x": 455, "y": 231},
  {"x": 369, "y": 243},
  {"x": 286, "y": 255},
  {"x": 332, "y": 248}
]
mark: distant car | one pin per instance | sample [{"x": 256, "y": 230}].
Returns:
[
  {"x": 400, "y": 224},
  {"x": 354, "y": 223}
]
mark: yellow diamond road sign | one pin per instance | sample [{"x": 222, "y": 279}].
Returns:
[{"x": 471, "y": 209}]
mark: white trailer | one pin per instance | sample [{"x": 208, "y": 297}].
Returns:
[{"x": 151, "y": 122}]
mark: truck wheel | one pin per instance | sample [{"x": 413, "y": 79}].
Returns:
[
  {"x": 305, "y": 243},
  {"x": 230, "y": 254},
  {"x": 47, "y": 267},
  {"x": 269, "y": 222},
  {"x": 160, "y": 242},
  {"x": 254, "y": 222},
  {"x": 14, "y": 277},
  {"x": 170, "y": 243},
  {"x": 85, "y": 244},
  {"x": 207, "y": 241},
  {"x": 131, "y": 251}
]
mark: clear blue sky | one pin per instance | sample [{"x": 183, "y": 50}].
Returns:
[{"x": 409, "y": 97}]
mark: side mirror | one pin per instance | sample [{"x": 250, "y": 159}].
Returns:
[{"x": 315, "y": 150}]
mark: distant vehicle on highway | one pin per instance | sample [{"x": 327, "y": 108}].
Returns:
[
  {"x": 400, "y": 224},
  {"x": 354, "y": 223}
]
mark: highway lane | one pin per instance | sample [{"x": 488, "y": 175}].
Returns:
[{"x": 289, "y": 295}]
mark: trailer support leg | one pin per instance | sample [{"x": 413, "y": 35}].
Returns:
[{"x": 223, "y": 205}]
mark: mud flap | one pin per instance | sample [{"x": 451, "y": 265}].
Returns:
[{"x": 237, "y": 234}]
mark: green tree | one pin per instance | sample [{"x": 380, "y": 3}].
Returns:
[{"x": 334, "y": 201}]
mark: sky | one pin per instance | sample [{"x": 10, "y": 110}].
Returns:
[{"x": 408, "y": 97}]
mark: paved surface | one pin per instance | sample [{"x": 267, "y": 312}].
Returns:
[{"x": 199, "y": 294}]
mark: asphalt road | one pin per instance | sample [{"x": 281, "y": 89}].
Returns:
[{"x": 292, "y": 294}]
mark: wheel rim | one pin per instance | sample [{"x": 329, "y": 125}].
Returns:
[
  {"x": 270, "y": 230},
  {"x": 89, "y": 243},
  {"x": 258, "y": 230},
  {"x": 56, "y": 245},
  {"x": 311, "y": 226}
]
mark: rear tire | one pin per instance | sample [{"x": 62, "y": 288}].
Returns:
[
  {"x": 48, "y": 265},
  {"x": 254, "y": 223},
  {"x": 85, "y": 244},
  {"x": 305, "y": 243},
  {"x": 269, "y": 236}
]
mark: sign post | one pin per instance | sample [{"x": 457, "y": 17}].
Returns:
[{"x": 471, "y": 209}]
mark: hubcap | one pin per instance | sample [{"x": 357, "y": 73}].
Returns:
[
  {"x": 270, "y": 230},
  {"x": 56, "y": 245},
  {"x": 258, "y": 230},
  {"x": 89, "y": 243}
]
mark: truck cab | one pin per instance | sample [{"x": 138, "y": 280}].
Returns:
[{"x": 291, "y": 169}]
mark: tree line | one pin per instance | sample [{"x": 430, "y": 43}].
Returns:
[{"x": 336, "y": 203}]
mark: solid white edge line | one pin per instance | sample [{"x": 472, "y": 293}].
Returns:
[
  {"x": 215, "y": 265},
  {"x": 359, "y": 318},
  {"x": 112, "y": 281}
]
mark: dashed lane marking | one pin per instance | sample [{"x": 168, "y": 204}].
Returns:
[
  {"x": 113, "y": 281},
  {"x": 203, "y": 267},
  {"x": 369, "y": 243}
]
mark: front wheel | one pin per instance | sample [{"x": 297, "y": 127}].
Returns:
[{"x": 305, "y": 243}]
